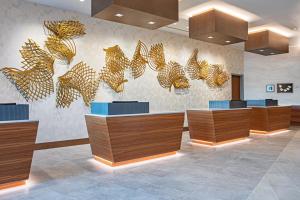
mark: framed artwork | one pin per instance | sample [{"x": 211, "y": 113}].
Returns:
[
  {"x": 285, "y": 88},
  {"x": 270, "y": 88}
]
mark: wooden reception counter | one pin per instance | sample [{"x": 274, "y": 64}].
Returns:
[
  {"x": 295, "y": 120},
  {"x": 122, "y": 139},
  {"x": 266, "y": 120},
  {"x": 17, "y": 140},
  {"x": 218, "y": 126}
]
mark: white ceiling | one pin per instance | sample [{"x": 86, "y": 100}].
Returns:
[{"x": 284, "y": 12}]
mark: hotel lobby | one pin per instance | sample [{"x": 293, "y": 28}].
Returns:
[{"x": 156, "y": 99}]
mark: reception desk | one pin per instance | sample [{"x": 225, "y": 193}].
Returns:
[
  {"x": 295, "y": 120},
  {"x": 266, "y": 120},
  {"x": 17, "y": 140},
  {"x": 218, "y": 126},
  {"x": 122, "y": 139}
]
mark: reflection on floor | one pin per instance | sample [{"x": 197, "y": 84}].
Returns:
[{"x": 265, "y": 168}]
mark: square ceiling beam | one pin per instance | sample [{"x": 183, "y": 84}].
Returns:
[
  {"x": 217, "y": 27},
  {"x": 150, "y": 14},
  {"x": 267, "y": 43}
]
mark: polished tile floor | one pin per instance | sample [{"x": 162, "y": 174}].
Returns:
[{"x": 264, "y": 168}]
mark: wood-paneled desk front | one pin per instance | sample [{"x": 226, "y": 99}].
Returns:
[
  {"x": 266, "y": 120},
  {"x": 295, "y": 115},
  {"x": 17, "y": 143},
  {"x": 218, "y": 126},
  {"x": 122, "y": 139}
]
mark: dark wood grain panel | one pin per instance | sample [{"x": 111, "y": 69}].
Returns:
[
  {"x": 221, "y": 26},
  {"x": 17, "y": 143},
  {"x": 201, "y": 125},
  {"x": 137, "y": 12},
  {"x": 295, "y": 118},
  {"x": 270, "y": 119},
  {"x": 60, "y": 144},
  {"x": 218, "y": 126},
  {"x": 119, "y": 139},
  {"x": 267, "y": 43}
]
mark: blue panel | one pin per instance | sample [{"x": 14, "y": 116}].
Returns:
[
  {"x": 99, "y": 108},
  {"x": 219, "y": 104},
  {"x": 119, "y": 108},
  {"x": 256, "y": 103},
  {"x": 9, "y": 112}
]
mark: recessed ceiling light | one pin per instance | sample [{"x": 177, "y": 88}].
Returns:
[
  {"x": 175, "y": 23},
  {"x": 272, "y": 53},
  {"x": 227, "y": 41},
  {"x": 82, "y": 0},
  {"x": 262, "y": 50},
  {"x": 151, "y": 22},
  {"x": 119, "y": 15},
  {"x": 210, "y": 37}
]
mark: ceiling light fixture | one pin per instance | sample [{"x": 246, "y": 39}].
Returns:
[
  {"x": 82, "y": 0},
  {"x": 151, "y": 22},
  {"x": 227, "y": 41},
  {"x": 272, "y": 53},
  {"x": 223, "y": 7},
  {"x": 262, "y": 50},
  {"x": 210, "y": 37},
  {"x": 119, "y": 15}
]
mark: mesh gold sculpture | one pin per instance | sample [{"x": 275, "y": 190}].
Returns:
[
  {"x": 113, "y": 73},
  {"x": 115, "y": 59},
  {"x": 217, "y": 77},
  {"x": 62, "y": 49},
  {"x": 35, "y": 80},
  {"x": 173, "y": 75},
  {"x": 65, "y": 29},
  {"x": 197, "y": 69},
  {"x": 139, "y": 60},
  {"x": 114, "y": 80},
  {"x": 81, "y": 80},
  {"x": 157, "y": 57}
]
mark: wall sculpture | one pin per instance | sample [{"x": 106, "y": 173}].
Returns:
[
  {"x": 115, "y": 65},
  {"x": 62, "y": 49},
  {"x": 60, "y": 41},
  {"x": 34, "y": 81},
  {"x": 65, "y": 29},
  {"x": 139, "y": 61},
  {"x": 81, "y": 80},
  {"x": 197, "y": 69},
  {"x": 214, "y": 75},
  {"x": 217, "y": 77},
  {"x": 173, "y": 75}
]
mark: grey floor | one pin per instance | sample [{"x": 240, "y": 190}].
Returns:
[{"x": 265, "y": 168}]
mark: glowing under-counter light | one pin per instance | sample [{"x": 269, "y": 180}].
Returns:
[
  {"x": 271, "y": 133},
  {"x": 135, "y": 164},
  {"x": 223, "y": 144}
]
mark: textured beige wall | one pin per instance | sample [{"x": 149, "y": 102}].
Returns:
[
  {"x": 261, "y": 70},
  {"x": 22, "y": 20}
]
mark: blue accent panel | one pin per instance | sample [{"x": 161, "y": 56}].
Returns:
[
  {"x": 99, "y": 108},
  {"x": 10, "y": 112},
  {"x": 119, "y": 108},
  {"x": 256, "y": 102},
  {"x": 263, "y": 102},
  {"x": 219, "y": 104}
]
